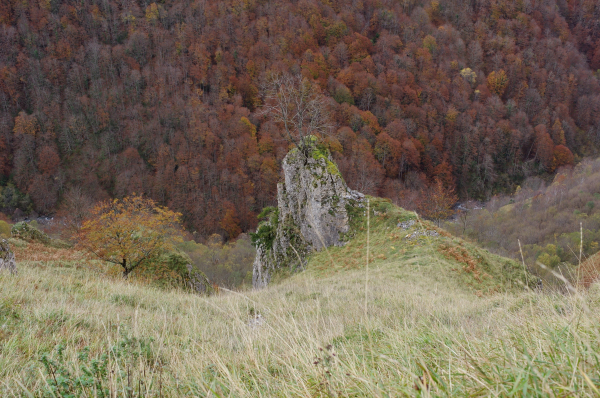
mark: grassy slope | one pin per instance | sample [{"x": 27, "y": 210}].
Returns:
[
  {"x": 431, "y": 314},
  {"x": 430, "y": 253}
]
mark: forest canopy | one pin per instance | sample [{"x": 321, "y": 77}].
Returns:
[{"x": 163, "y": 98}]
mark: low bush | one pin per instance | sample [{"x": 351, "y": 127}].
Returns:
[
  {"x": 228, "y": 265},
  {"x": 175, "y": 269},
  {"x": 92, "y": 375},
  {"x": 27, "y": 231},
  {"x": 5, "y": 229}
]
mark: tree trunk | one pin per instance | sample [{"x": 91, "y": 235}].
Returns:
[{"x": 125, "y": 270}]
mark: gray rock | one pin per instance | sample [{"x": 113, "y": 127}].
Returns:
[
  {"x": 7, "y": 258},
  {"x": 197, "y": 281},
  {"x": 311, "y": 214},
  {"x": 261, "y": 268},
  {"x": 420, "y": 233},
  {"x": 406, "y": 224}
]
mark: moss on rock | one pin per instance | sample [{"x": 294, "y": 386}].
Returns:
[{"x": 320, "y": 152}]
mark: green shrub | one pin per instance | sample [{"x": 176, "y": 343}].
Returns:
[
  {"x": 175, "y": 269},
  {"x": 342, "y": 94},
  {"x": 266, "y": 231},
  {"x": 5, "y": 229},
  {"x": 549, "y": 260},
  {"x": 228, "y": 265},
  {"x": 28, "y": 232},
  {"x": 92, "y": 376}
]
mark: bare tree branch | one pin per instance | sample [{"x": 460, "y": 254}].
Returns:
[{"x": 297, "y": 105}]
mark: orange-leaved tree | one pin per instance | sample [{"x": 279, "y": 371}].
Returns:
[
  {"x": 436, "y": 202},
  {"x": 130, "y": 232}
]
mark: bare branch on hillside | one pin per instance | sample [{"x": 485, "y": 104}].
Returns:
[{"x": 297, "y": 105}]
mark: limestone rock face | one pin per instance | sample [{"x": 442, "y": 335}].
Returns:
[
  {"x": 311, "y": 214},
  {"x": 7, "y": 258},
  {"x": 261, "y": 269}
]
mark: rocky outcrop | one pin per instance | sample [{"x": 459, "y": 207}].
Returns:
[
  {"x": 262, "y": 267},
  {"x": 7, "y": 258},
  {"x": 197, "y": 280},
  {"x": 311, "y": 213}
]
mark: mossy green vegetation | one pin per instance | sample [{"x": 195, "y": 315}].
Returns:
[
  {"x": 30, "y": 232},
  {"x": 5, "y": 229},
  {"x": 267, "y": 228},
  {"x": 321, "y": 152},
  {"x": 317, "y": 150}
]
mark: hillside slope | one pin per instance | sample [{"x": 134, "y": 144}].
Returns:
[
  {"x": 411, "y": 247},
  {"x": 556, "y": 222},
  {"x": 431, "y": 316}
]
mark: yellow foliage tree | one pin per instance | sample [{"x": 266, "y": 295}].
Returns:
[
  {"x": 469, "y": 75},
  {"x": 25, "y": 124},
  {"x": 497, "y": 82},
  {"x": 248, "y": 124},
  {"x": 430, "y": 43},
  {"x": 152, "y": 13},
  {"x": 558, "y": 134},
  {"x": 130, "y": 232},
  {"x": 451, "y": 114}
]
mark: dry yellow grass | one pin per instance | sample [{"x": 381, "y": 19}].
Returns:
[
  {"x": 590, "y": 271},
  {"x": 420, "y": 325}
]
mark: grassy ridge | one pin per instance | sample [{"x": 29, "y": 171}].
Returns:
[
  {"x": 433, "y": 325},
  {"x": 418, "y": 247}
]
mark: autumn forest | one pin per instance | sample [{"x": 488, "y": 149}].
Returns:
[{"x": 105, "y": 98}]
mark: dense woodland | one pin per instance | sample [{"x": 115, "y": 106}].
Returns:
[{"x": 109, "y": 97}]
